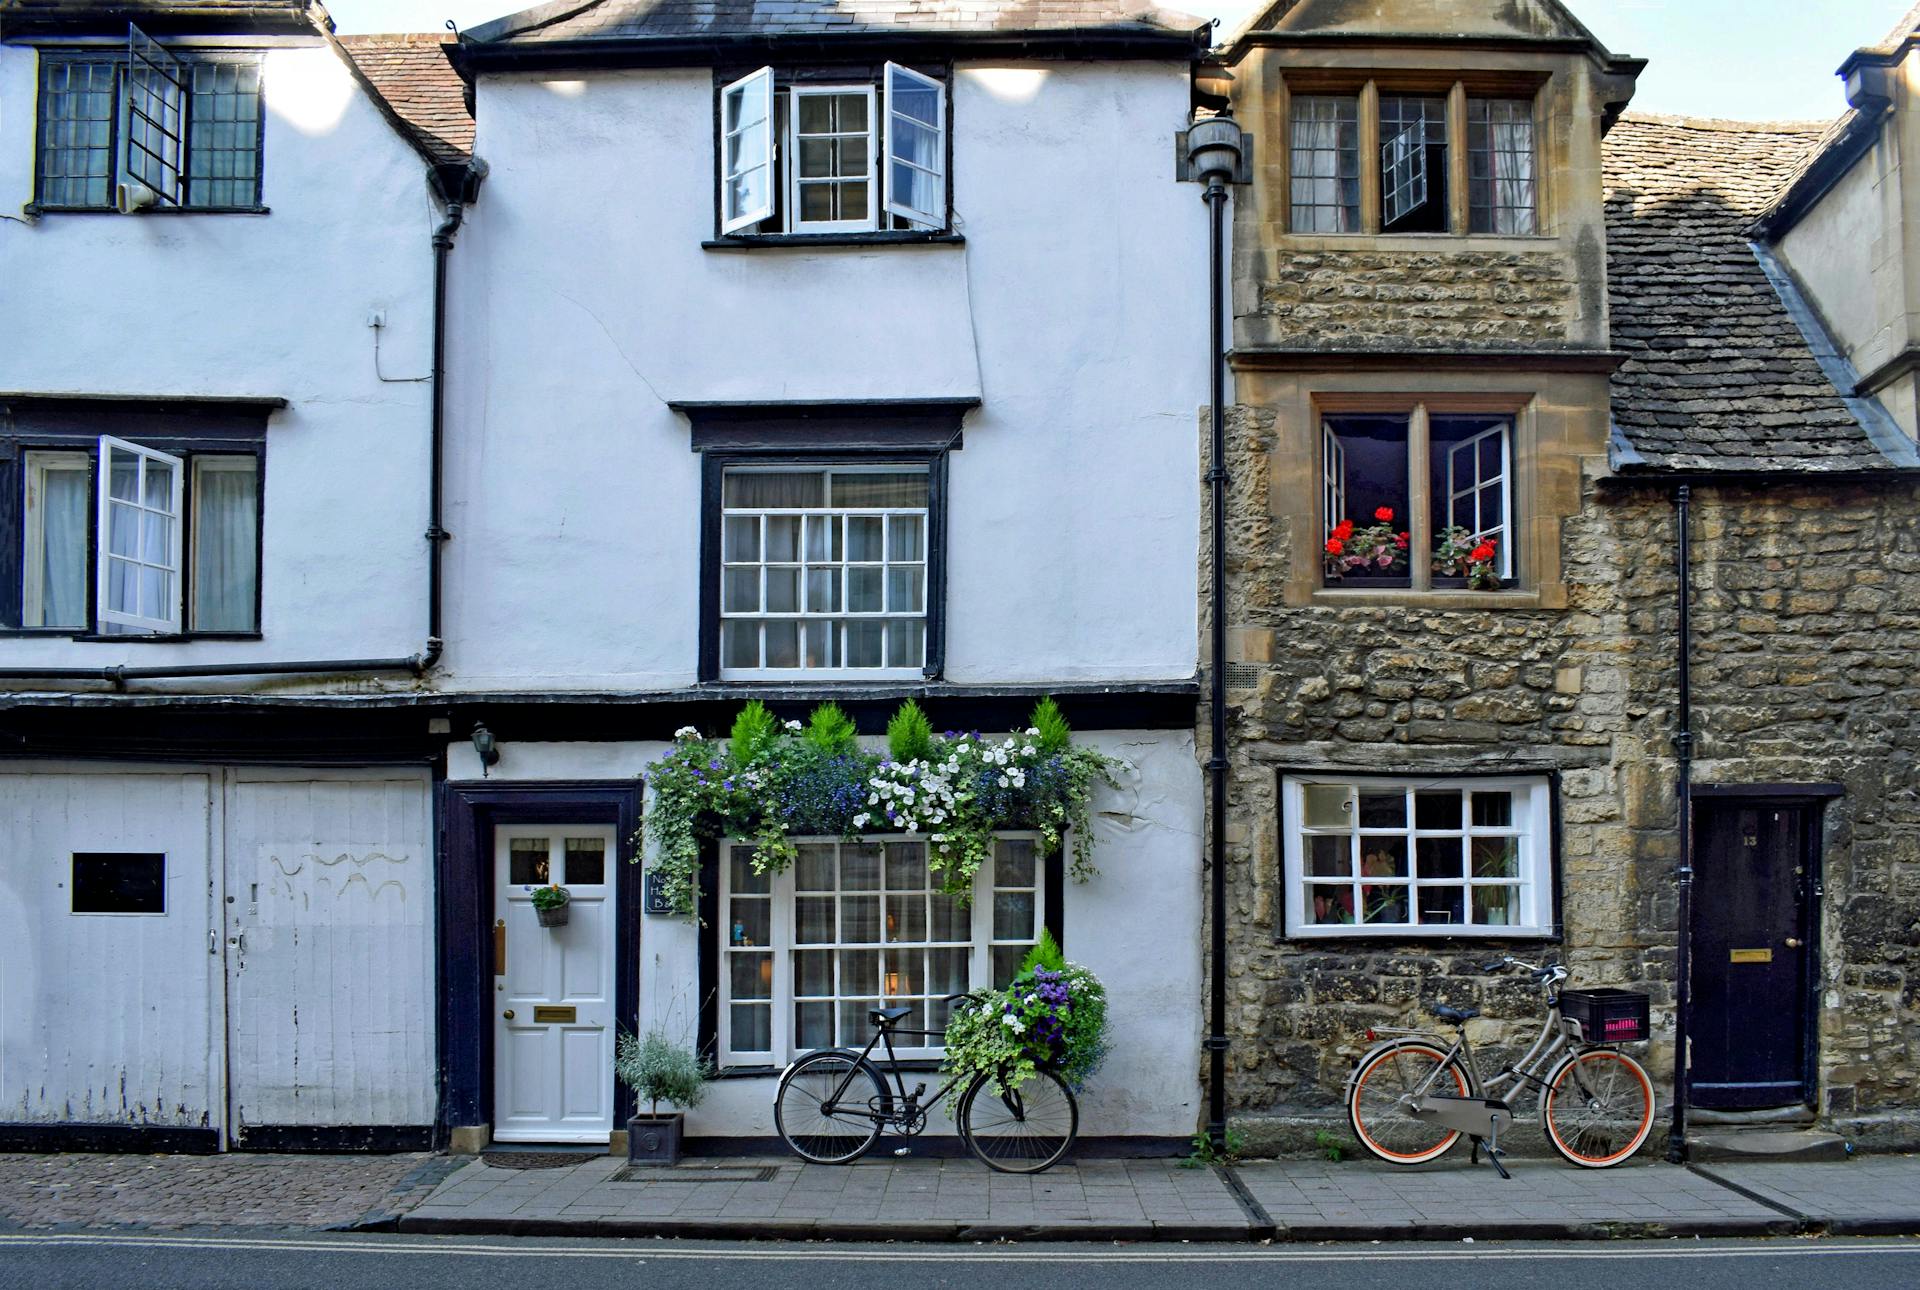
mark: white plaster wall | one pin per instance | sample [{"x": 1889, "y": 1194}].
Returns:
[
  {"x": 584, "y": 303},
  {"x": 1137, "y": 925},
  {"x": 272, "y": 305},
  {"x": 1846, "y": 253}
]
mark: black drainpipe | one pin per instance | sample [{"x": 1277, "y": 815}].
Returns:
[
  {"x": 458, "y": 184},
  {"x": 1683, "y": 748}
]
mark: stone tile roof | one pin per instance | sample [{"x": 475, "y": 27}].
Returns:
[
  {"x": 1719, "y": 375},
  {"x": 640, "y": 19},
  {"x": 411, "y": 72}
]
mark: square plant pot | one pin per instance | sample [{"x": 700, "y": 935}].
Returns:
[{"x": 655, "y": 1139}]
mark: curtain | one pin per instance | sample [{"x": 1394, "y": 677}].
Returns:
[
  {"x": 63, "y": 546},
  {"x": 1510, "y": 132},
  {"x": 225, "y": 546},
  {"x": 1326, "y": 187}
]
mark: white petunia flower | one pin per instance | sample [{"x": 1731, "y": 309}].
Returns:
[
  {"x": 686, "y": 732},
  {"x": 793, "y": 725}
]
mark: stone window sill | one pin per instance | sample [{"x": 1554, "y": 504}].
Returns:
[{"x": 1437, "y": 599}]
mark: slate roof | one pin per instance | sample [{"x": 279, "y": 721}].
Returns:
[
  {"x": 1720, "y": 375},
  {"x": 160, "y": 17},
  {"x": 681, "y": 19},
  {"x": 411, "y": 72}
]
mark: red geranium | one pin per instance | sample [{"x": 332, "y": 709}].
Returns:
[
  {"x": 1384, "y": 515},
  {"x": 1335, "y": 546},
  {"x": 1343, "y": 530},
  {"x": 1482, "y": 553},
  {"x": 1402, "y": 541}
]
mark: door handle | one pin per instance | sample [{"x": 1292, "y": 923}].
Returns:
[
  {"x": 508, "y": 1014},
  {"x": 1794, "y": 942}
]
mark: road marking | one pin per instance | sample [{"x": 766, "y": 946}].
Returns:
[{"x": 442, "y": 1247}]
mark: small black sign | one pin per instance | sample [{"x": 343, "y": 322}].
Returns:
[
  {"x": 656, "y": 898},
  {"x": 119, "y": 882}
]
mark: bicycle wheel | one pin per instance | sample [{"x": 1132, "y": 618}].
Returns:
[
  {"x": 835, "y": 1133},
  {"x": 1597, "y": 1107},
  {"x": 1379, "y": 1102},
  {"x": 1021, "y": 1130}
]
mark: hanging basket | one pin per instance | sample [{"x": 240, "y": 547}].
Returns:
[{"x": 553, "y": 915}]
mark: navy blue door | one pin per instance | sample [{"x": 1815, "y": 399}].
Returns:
[{"x": 1751, "y": 960}]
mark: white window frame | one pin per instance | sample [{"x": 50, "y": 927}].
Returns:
[
  {"x": 1467, "y": 486},
  {"x": 781, "y": 921},
  {"x": 1532, "y": 828},
  {"x": 842, "y": 616},
  {"x": 39, "y": 464},
  {"x": 868, "y": 222},
  {"x": 933, "y": 220},
  {"x": 760, "y": 95},
  {"x": 1333, "y": 466},
  {"x": 103, "y": 520}
]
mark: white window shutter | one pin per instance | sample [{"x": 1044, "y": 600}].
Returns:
[
  {"x": 916, "y": 147},
  {"x": 156, "y": 116},
  {"x": 138, "y": 540},
  {"x": 746, "y": 151}
]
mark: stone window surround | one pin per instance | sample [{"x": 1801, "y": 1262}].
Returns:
[
  {"x": 1457, "y": 87},
  {"x": 1560, "y": 425}
]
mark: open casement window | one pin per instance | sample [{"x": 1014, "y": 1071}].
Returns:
[
  {"x": 138, "y": 544},
  {"x": 1413, "y": 165},
  {"x": 1396, "y": 486},
  {"x": 1411, "y": 858},
  {"x": 916, "y": 148},
  {"x": 156, "y": 117},
  {"x": 862, "y": 924},
  {"x": 746, "y": 170}
]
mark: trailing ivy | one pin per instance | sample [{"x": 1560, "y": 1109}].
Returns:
[{"x": 776, "y": 781}]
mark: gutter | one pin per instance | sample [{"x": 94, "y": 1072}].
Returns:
[{"x": 458, "y": 184}]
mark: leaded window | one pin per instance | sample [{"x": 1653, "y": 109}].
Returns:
[
  {"x": 1413, "y": 164},
  {"x": 857, "y": 925},
  {"x": 1500, "y": 178},
  {"x": 824, "y": 571},
  {"x": 1417, "y": 857},
  {"x": 1325, "y": 164},
  {"x": 194, "y": 140}
]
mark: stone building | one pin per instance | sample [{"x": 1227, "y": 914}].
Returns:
[{"x": 1470, "y": 292}]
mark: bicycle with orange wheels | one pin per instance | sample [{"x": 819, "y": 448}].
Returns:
[{"x": 1414, "y": 1094}]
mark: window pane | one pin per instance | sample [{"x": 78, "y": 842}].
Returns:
[
  {"x": 1325, "y": 143},
  {"x": 741, "y": 879},
  {"x": 1328, "y": 806},
  {"x": 783, "y": 590},
  {"x": 813, "y": 971},
  {"x": 1368, "y": 471},
  {"x": 907, "y": 917},
  {"x": 1439, "y": 857},
  {"x": 906, "y": 866},
  {"x": 813, "y": 871},
  {"x": 1496, "y": 906},
  {"x": 1436, "y": 810},
  {"x": 1383, "y": 810},
  {"x": 813, "y": 920},
  {"x": 1496, "y": 857},
  {"x": 1469, "y": 484},
  {"x": 813, "y": 1025},
  {"x": 904, "y": 584},
  {"x": 893, "y": 489},
  {"x": 742, "y": 538},
  {"x": 57, "y": 521},
  {"x": 740, "y": 590},
  {"x": 527, "y": 862},
  {"x": 860, "y": 972},
  {"x": 1500, "y": 188},
  {"x": 76, "y": 119},
  {"x": 1384, "y": 903},
  {"x": 906, "y": 537},
  {"x": 863, "y": 537},
  {"x": 1330, "y": 855},
  {"x": 1006, "y": 964},
  {"x": 1330, "y": 905},
  {"x": 739, "y": 644},
  {"x": 860, "y": 920},
  {"x": 224, "y": 139},
  {"x": 906, "y": 642},
  {"x": 783, "y": 644},
  {"x": 864, "y": 591},
  {"x": 860, "y": 867},
  {"x": 766, "y": 488},
  {"x": 949, "y": 920},
  {"x": 586, "y": 861},
  {"x": 752, "y": 1028},
  {"x": 225, "y": 543},
  {"x": 1492, "y": 810},
  {"x": 1413, "y": 164},
  {"x": 752, "y": 975},
  {"x": 1014, "y": 862},
  {"x": 1012, "y": 915},
  {"x": 1442, "y": 906},
  {"x": 749, "y": 921},
  {"x": 1383, "y": 856},
  {"x": 947, "y": 971},
  {"x": 119, "y": 883}
]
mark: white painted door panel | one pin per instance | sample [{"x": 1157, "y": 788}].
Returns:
[
  {"x": 329, "y": 930},
  {"x": 106, "y": 1018},
  {"x": 553, "y": 1056}
]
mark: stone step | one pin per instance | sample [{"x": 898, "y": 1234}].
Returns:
[{"x": 1734, "y": 1143}]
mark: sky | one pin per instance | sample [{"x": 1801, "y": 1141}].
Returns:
[{"x": 1755, "y": 60}]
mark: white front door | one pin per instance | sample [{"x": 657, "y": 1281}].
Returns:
[{"x": 553, "y": 995}]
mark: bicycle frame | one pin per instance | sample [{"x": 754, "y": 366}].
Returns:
[
  {"x": 1548, "y": 1045},
  {"x": 909, "y": 1103}
]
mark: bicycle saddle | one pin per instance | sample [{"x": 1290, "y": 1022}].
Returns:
[
  {"x": 879, "y": 1015},
  {"x": 1447, "y": 1012}
]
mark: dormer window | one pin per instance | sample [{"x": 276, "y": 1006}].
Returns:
[
  {"x": 827, "y": 153},
  {"x": 1366, "y": 159}
]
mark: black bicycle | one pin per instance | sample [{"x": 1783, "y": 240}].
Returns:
[{"x": 834, "y": 1104}]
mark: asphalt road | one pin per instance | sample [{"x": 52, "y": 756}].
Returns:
[{"x": 329, "y": 1262}]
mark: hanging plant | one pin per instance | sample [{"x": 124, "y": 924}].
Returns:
[{"x": 775, "y": 781}]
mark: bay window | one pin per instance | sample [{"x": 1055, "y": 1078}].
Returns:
[
  {"x": 806, "y": 154},
  {"x": 856, "y": 925},
  {"x": 1433, "y": 157},
  {"x": 1414, "y": 857}
]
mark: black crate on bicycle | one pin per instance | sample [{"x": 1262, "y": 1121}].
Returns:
[{"x": 1606, "y": 1016}]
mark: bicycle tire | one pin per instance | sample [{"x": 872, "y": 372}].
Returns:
[
  {"x": 1392, "y": 1071},
  {"x": 1023, "y": 1130},
  {"x": 1597, "y": 1107},
  {"x": 849, "y": 1131}
]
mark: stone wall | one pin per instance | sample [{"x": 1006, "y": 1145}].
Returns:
[
  {"x": 1808, "y": 631},
  {"x": 1445, "y": 298}
]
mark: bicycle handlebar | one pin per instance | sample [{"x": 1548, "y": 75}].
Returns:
[{"x": 1542, "y": 972}]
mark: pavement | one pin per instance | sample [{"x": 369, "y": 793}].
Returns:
[{"x": 886, "y": 1198}]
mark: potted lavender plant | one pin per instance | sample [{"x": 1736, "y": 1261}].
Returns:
[{"x": 659, "y": 1070}]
